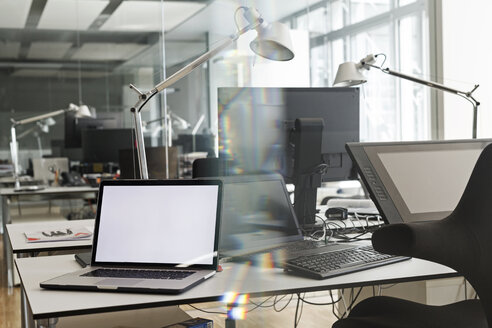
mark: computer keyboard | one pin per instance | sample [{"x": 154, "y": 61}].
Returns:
[
  {"x": 335, "y": 263},
  {"x": 141, "y": 274}
]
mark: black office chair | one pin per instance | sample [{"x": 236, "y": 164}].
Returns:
[
  {"x": 462, "y": 241},
  {"x": 208, "y": 167}
]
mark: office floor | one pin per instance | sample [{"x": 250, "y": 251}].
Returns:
[
  {"x": 264, "y": 316},
  {"x": 9, "y": 301}
]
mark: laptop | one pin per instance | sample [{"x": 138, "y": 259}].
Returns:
[
  {"x": 416, "y": 181},
  {"x": 151, "y": 236},
  {"x": 258, "y": 218}
]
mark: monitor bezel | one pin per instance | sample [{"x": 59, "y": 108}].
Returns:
[
  {"x": 379, "y": 184},
  {"x": 169, "y": 182}
]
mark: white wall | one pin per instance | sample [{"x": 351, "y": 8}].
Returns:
[{"x": 467, "y": 45}]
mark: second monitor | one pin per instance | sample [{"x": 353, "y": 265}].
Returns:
[{"x": 255, "y": 126}]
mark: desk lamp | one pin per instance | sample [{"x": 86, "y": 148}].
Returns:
[
  {"x": 349, "y": 74},
  {"x": 173, "y": 121},
  {"x": 43, "y": 126},
  {"x": 81, "y": 111},
  {"x": 273, "y": 42}
]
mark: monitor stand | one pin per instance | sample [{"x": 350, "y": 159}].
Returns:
[{"x": 308, "y": 168}]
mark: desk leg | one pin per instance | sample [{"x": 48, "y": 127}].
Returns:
[
  {"x": 2, "y": 215},
  {"x": 26, "y": 314},
  {"x": 47, "y": 323},
  {"x": 7, "y": 250}
]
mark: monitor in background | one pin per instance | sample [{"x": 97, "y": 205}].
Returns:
[
  {"x": 156, "y": 163},
  {"x": 255, "y": 125},
  {"x": 103, "y": 146},
  {"x": 416, "y": 181},
  {"x": 74, "y": 126},
  {"x": 196, "y": 143},
  {"x": 297, "y": 132}
]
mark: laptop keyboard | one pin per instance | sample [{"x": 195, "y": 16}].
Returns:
[
  {"x": 330, "y": 264},
  {"x": 140, "y": 274}
]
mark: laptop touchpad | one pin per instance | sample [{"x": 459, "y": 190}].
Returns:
[{"x": 118, "y": 282}]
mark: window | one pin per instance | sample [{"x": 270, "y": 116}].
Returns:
[{"x": 348, "y": 30}]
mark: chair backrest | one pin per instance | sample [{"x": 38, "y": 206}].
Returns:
[
  {"x": 462, "y": 241},
  {"x": 208, "y": 167}
]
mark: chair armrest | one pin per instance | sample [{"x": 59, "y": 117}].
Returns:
[
  {"x": 442, "y": 241},
  {"x": 395, "y": 239}
]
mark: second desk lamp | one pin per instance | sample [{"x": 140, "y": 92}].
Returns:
[{"x": 349, "y": 74}]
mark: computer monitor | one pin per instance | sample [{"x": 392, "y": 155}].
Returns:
[
  {"x": 418, "y": 180},
  {"x": 103, "y": 146},
  {"x": 74, "y": 126},
  {"x": 196, "y": 143},
  {"x": 255, "y": 126},
  {"x": 298, "y": 132}
]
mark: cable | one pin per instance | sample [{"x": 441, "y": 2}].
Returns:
[
  {"x": 205, "y": 311},
  {"x": 329, "y": 303},
  {"x": 352, "y": 303},
  {"x": 288, "y": 302},
  {"x": 296, "y": 321},
  {"x": 333, "y": 305},
  {"x": 259, "y": 305}
]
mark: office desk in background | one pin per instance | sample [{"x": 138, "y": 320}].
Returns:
[
  {"x": 19, "y": 244},
  {"x": 8, "y": 195},
  {"x": 240, "y": 278}
]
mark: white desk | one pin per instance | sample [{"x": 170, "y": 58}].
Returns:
[
  {"x": 240, "y": 278},
  {"x": 7, "y": 194},
  {"x": 19, "y": 244}
]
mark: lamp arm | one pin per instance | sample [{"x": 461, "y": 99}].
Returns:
[
  {"x": 143, "y": 98},
  {"x": 39, "y": 117},
  {"x": 467, "y": 95}
]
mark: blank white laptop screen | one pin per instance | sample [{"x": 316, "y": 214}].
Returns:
[{"x": 157, "y": 224}]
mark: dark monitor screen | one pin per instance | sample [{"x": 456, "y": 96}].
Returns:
[
  {"x": 254, "y": 127},
  {"x": 74, "y": 127},
  {"x": 102, "y": 146}
]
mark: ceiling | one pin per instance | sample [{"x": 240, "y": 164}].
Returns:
[
  {"x": 36, "y": 34},
  {"x": 47, "y": 37}
]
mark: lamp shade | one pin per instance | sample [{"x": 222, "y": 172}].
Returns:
[
  {"x": 45, "y": 124},
  {"x": 49, "y": 121},
  {"x": 348, "y": 75},
  {"x": 83, "y": 111},
  {"x": 273, "y": 42}
]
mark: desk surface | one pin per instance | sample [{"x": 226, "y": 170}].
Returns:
[
  {"x": 241, "y": 278},
  {"x": 19, "y": 243},
  {"x": 48, "y": 190}
]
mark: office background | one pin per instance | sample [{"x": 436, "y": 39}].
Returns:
[{"x": 58, "y": 52}]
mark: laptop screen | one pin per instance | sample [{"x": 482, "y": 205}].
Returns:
[
  {"x": 157, "y": 224},
  {"x": 257, "y": 214}
]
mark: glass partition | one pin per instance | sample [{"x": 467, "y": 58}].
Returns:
[{"x": 58, "y": 52}]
